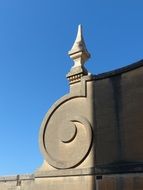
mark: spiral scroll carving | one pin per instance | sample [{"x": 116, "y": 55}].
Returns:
[{"x": 66, "y": 139}]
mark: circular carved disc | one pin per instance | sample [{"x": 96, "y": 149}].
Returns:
[{"x": 66, "y": 139}]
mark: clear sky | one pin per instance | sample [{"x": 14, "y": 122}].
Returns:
[{"x": 35, "y": 36}]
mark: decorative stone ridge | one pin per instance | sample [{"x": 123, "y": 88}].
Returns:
[{"x": 73, "y": 78}]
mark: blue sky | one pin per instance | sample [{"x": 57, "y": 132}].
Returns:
[{"x": 35, "y": 36}]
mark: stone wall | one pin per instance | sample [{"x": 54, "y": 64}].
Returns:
[
  {"x": 105, "y": 151},
  {"x": 92, "y": 137}
]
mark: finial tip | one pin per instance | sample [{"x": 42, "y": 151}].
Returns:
[{"x": 79, "y": 47}]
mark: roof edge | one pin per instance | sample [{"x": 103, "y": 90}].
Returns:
[{"x": 119, "y": 71}]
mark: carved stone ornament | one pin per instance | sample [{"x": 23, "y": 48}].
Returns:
[
  {"x": 79, "y": 54},
  {"x": 65, "y": 136},
  {"x": 66, "y": 133}
]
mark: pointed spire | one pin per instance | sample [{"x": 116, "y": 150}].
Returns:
[
  {"x": 79, "y": 55},
  {"x": 79, "y": 52}
]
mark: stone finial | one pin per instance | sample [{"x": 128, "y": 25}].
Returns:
[
  {"x": 79, "y": 55},
  {"x": 78, "y": 52}
]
